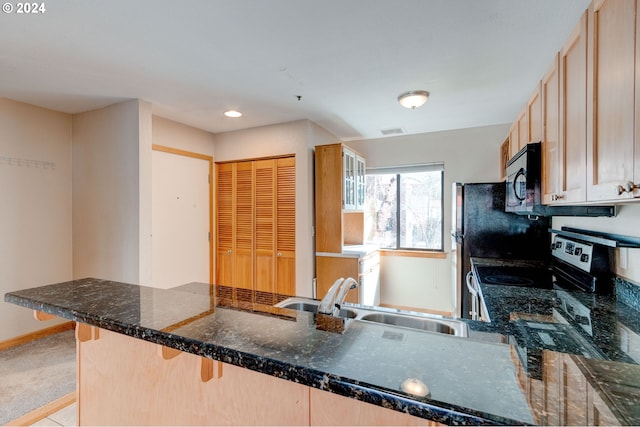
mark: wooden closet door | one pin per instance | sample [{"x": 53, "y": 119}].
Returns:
[
  {"x": 286, "y": 226},
  {"x": 265, "y": 229},
  {"x": 225, "y": 219},
  {"x": 244, "y": 214}
]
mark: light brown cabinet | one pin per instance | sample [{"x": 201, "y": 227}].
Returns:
[
  {"x": 590, "y": 103},
  {"x": 339, "y": 186},
  {"x": 116, "y": 374},
  {"x": 256, "y": 228},
  {"x": 573, "y": 116},
  {"x": 613, "y": 151},
  {"x": 534, "y": 117},
  {"x": 328, "y": 409},
  {"x": 330, "y": 268},
  {"x": 550, "y": 92},
  {"x": 339, "y": 198},
  {"x": 127, "y": 381},
  {"x": 514, "y": 139},
  {"x": 504, "y": 158}
]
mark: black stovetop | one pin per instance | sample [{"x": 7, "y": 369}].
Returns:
[{"x": 516, "y": 275}]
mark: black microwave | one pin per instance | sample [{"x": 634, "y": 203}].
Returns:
[
  {"x": 524, "y": 188},
  {"x": 524, "y": 181}
]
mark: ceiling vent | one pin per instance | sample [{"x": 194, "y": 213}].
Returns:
[{"x": 392, "y": 131}]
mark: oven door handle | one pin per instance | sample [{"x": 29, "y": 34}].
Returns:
[
  {"x": 474, "y": 296},
  {"x": 470, "y": 284}
]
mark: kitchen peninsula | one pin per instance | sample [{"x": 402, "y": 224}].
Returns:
[{"x": 154, "y": 356}]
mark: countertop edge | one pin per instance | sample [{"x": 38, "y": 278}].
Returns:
[{"x": 446, "y": 414}]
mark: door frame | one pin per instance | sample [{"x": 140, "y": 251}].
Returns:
[{"x": 209, "y": 159}]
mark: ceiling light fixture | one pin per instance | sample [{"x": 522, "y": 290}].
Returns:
[
  {"x": 233, "y": 113},
  {"x": 413, "y": 99}
]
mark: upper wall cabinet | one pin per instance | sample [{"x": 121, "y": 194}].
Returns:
[
  {"x": 590, "y": 107},
  {"x": 339, "y": 192},
  {"x": 613, "y": 144},
  {"x": 573, "y": 116},
  {"x": 534, "y": 117},
  {"x": 550, "y": 95},
  {"x": 353, "y": 180},
  {"x": 528, "y": 126}
]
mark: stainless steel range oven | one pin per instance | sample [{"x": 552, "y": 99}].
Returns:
[{"x": 580, "y": 279}]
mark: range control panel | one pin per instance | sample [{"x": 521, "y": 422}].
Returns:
[{"x": 578, "y": 254}]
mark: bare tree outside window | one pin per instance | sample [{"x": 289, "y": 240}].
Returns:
[{"x": 404, "y": 211}]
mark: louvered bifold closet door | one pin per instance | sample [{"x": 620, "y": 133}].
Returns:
[
  {"x": 224, "y": 231},
  {"x": 265, "y": 230},
  {"x": 286, "y": 227},
  {"x": 243, "y": 271}
]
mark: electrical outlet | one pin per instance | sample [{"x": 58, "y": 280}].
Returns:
[{"x": 623, "y": 258}]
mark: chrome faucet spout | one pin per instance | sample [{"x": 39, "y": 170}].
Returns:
[
  {"x": 327, "y": 303},
  {"x": 332, "y": 302}
]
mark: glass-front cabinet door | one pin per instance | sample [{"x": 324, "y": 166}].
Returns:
[
  {"x": 349, "y": 177},
  {"x": 361, "y": 188}
]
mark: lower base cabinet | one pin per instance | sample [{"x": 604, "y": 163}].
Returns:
[
  {"x": 329, "y": 409},
  {"x": 127, "y": 381}
]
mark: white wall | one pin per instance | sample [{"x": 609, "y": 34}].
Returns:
[
  {"x": 469, "y": 155},
  {"x": 296, "y": 138},
  {"x": 107, "y": 208},
  {"x": 35, "y": 217}
]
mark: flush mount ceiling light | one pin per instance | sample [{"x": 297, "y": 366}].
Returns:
[
  {"x": 233, "y": 113},
  {"x": 413, "y": 99}
]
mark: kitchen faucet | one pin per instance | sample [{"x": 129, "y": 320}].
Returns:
[{"x": 332, "y": 301}]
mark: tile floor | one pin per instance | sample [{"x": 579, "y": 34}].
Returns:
[{"x": 64, "y": 417}]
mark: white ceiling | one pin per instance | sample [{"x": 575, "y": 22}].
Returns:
[{"x": 347, "y": 59}]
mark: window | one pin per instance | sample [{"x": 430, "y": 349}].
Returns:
[{"x": 404, "y": 207}]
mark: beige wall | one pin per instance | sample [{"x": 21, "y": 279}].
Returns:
[
  {"x": 177, "y": 135},
  {"x": 296, "y": 138},
  {"x": 469, "y": 155},
  {"x": 35, "y": 218},
  {"x": 107, "y": 211}
]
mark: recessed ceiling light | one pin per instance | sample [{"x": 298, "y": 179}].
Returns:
[{"x": 233, "y": 113}]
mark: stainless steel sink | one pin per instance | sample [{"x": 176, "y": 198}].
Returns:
[
  {"x": 413, "y": 322},
  {"x": 311, "y": 306},
  {"x": 385, "y": 316}
]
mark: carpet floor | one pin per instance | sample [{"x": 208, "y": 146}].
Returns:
[{"x": 36, "y": 373}]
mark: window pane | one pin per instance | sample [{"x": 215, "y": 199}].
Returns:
[
  {"x": 380, "y": 210},
  {"x": 421, "y": 210}
]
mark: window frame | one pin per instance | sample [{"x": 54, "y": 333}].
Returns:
[{"x": 398, "y": 171}]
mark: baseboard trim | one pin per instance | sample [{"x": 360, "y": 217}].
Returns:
[
  {"x": 44, "y": 411},
  {"x": 32, "y": 336},
  {"x": 419, "y": 310}
]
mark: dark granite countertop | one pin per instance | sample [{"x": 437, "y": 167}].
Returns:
[
  {"x": 606, "y": 353},
  {"x": 474, "y": 380}
]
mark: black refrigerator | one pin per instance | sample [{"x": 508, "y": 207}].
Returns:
[{"x": 481, "y": 228}]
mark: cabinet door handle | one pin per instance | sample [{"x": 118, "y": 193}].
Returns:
[
  {"x": 279, "y": 253},
  {"x": 556, "y": 197},
  {"x": 627, "y": 188},
  {"x": 228, "y": 251}
]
